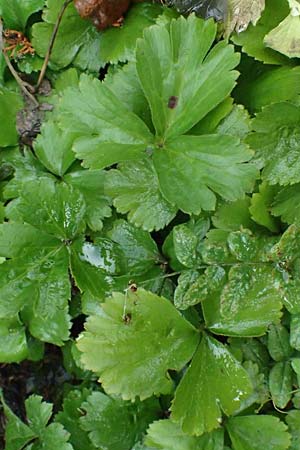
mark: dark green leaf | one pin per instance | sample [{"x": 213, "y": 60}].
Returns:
[
  {"x": 16, "y": 13},
  {"x": 191, "y": 169},
  {"x": 135, "y": 190},
  {"x": 280, "y": 383},
  {"x": 258, "y": 433}
]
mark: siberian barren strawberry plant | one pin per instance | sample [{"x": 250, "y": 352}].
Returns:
[{"x": 150, "y": 225}]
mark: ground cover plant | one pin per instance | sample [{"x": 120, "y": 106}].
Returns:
[{"x": 150, "y": 225}]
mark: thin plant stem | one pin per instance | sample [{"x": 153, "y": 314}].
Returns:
[
  {"x": 51, "y": 43},
  {"x": 19, "y": 80}
]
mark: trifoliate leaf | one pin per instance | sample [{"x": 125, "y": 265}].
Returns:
[
  {"x": 90, "y": 183},
  {"x": 167, "y": 435},
  {"x": 53, "y": 147},
  {"x": 278, "y": 342},
  {"x": 203, "y": 165},
  {"x": 44, "y": 437},
  {"x": 293, "y": 421},
  {"x": 115, "y": 424},
  {"x": 248, "y": 303},
  {"x": 113, "y": 133},
  {"x": 187, "y": 239},
  {"x": 241, "y": 13},
  {"x": 252, "y": 40},
  {"x": 15, "y": 14},
  {"x": 143, "y": 325},
  {"x": 232, "y": 216},
  {"x": 135, "y": 190},
  {"x": 295, "y": 331},
  {"x": 58, "y": 209},
  {"x": 13, "y": 343},
  {"x": 17, "y": 433},
  {"x": 77, "y": 40},
  {"x": 276, "y": 140},
  {"x": 258, "y": 433},
  {"x": 10, "y": 104},
  {"x": 70, "y": 416},
  {"x": 286, "y": 204},
  {"x": 285, "y": 38},
  {"x": 261, "y": 206},
  {"x": 181, "y": 82},
  {"x": 281, "y": 383},
  {"x": 118, "y": 45},
  {"x": 219, "y": 384}
]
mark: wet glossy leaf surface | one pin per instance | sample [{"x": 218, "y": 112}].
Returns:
[{"x": 219, "y": 385}]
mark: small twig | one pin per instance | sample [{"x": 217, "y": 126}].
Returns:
[
  {"x": 51, "y": 43},
  {"x": 19, "y": 80}
]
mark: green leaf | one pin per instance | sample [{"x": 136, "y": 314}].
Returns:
[
  {"x": 143, "y": 201},
  {"x": 279, "y": 342},
  {"x": 13, "y": 343},
  {"x": 38, "y": 413},
  {"x": 54, "y": 436},
  {"x": 285, "y": 37},
  {"x": 261, "y": 207},
  {"x": 219, "y": 384},
  {"x": 58, "y": 209},
  {"x": 188, "y": 290},
  {"x": 16, "y": 13},
  {"x": 248, "y": 303},
  {"x": 144, "y": 325},
  {"x": 53, "y": 147},
  {"x": 110, "y": 132},
  {"x": 36, "y": 280},
  {"x": 118, "y": 44},
  {"x": 258, "y": 433},
  {"x": 17, "y": 433},
  {"x": 167, "y": 435},
  {"x": 276, "y": 140},
  {"x": 274, "y": 85},
  {"x": 10, "y": 104},
  {"x": 115, "y": 424},
  {"x": 286, "y": 204},
  {"x": 295, "y": 332},
  {"x": 293, "y": 421},
  {"x": 90, "y": 183},
  {"x": 252, "y": 40},
  {"x": 174, "y": 65},
  {"x": 281, "y": 383},
  {"x": 232, "y": 216},
  {"x": 237, "y": 123},
  {"x": 203, "y": 166},
  {"x": 77, "y": 40},
  {"x": 139, "y": 248},
  {"x": 44, "y": 437},
  {"x": 70, "y": 416}
]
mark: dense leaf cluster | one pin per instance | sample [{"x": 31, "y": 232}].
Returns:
[{"x": 159, "y": 205}]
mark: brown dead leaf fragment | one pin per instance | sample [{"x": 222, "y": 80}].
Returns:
[{"x": 102, "y": 13}]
